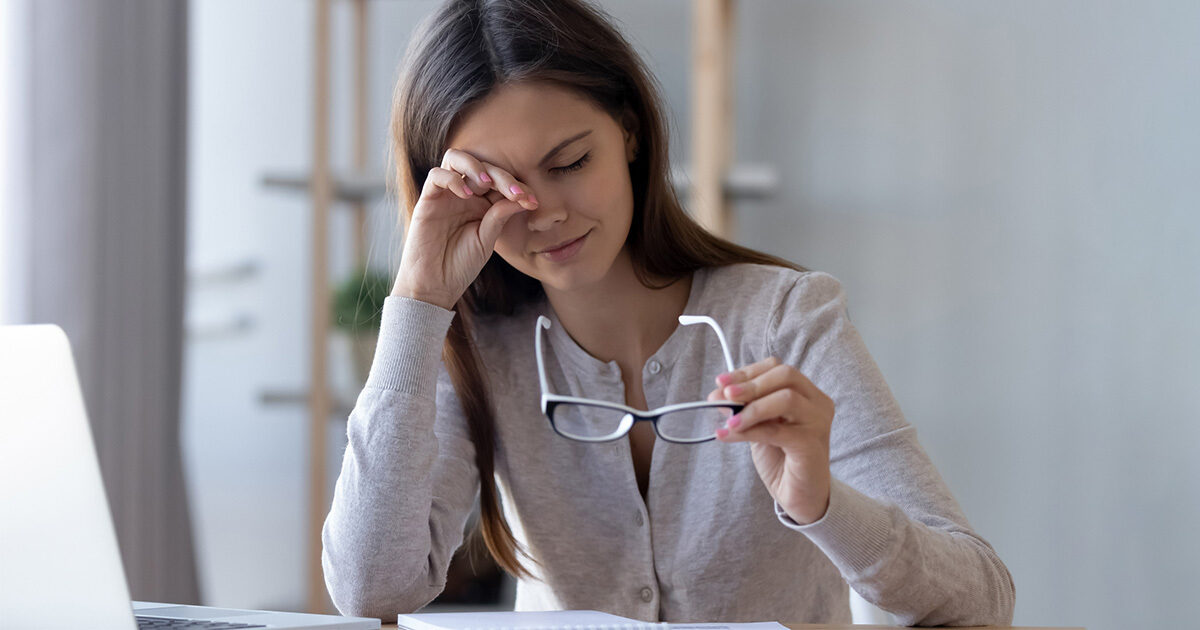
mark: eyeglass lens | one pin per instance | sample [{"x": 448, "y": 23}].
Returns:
[{"x": 591, "y": 423}]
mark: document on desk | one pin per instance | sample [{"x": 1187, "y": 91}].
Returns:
[{"x": 557, "y": 620}]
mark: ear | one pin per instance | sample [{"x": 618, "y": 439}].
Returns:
[{"x": 629, "y": 122}]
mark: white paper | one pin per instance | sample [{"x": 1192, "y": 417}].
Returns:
[{"x": 557, "y": 620}]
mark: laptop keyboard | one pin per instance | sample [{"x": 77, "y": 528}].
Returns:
[{"x": 188, "y": 624}]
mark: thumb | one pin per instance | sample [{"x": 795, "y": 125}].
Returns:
[{"x": 494, "y": 220}]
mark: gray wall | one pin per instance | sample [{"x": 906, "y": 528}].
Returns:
[
  {"x": 1003, "y": 189},
  {"x": 1008, "y": 192}
]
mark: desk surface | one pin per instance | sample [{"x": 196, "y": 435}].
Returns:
[{"x": 851, "y": 627}]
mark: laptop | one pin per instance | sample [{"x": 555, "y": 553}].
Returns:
[{"x": 59, "y": 562}]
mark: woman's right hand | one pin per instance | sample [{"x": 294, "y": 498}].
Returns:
[{"x": 462, "y": 209}]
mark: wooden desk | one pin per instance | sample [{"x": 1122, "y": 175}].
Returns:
[
  {"x": 851, "y": 627},
  {"x": 804, "y": 626}
]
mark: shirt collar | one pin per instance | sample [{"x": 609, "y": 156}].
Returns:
[{"x": 568, "y": 351}]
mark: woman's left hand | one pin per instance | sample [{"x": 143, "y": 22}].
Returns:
[{"x": 787, "y": 421}]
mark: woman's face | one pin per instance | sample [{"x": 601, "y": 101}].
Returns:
[{"x": 582, "y": 189}]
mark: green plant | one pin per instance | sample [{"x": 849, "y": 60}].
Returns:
[{"x": 358, "y": 300}]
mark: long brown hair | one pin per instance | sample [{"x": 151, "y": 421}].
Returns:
[{"x": 456, "y": 57}]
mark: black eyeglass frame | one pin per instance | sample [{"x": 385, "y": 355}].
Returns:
[{"x": 551, "y": 401}]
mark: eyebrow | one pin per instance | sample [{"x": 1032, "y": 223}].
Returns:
[{"x": 561, "y": 146}]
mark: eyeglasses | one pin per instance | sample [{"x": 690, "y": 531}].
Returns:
[{"x": 588, "y": 420}]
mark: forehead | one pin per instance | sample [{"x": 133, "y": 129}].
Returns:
[{"x": 516, "y": 124}]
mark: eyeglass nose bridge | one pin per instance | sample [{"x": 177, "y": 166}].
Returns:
[{"x": 630, "y": 418}]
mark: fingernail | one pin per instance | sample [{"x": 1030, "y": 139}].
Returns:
[
  {"x": 469, "y": 191},
  {"x": 724, "y": 378},
  {"x": 722, "y": 433},
  {"x": 733, "y": 390},
  {"x": 515, "y": 189},
  {"x": 531, "y": 198},
  {"x": 484, "y": 177},
  {"x": 733, "y": 422}
]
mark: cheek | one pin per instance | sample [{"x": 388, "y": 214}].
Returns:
[{"x": 612, "y": 203}]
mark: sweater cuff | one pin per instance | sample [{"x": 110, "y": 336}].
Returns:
[
  {"x": 409, "y": 350},
  {"x": 854, "y": 533}
]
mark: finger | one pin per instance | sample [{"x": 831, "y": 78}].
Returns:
[
  {"x": 776, "y": 378},
  {"x": 489, "y": 177},
  {"x": 440, "y": 179},
  {"x": 473, "y": 171},
  {"x": 510, "y": 187},
  {"x": 494, "y": 220},
  {"x": 787, "y": 405},
  {"x": 774, "y": 432},
  {"x": 747, "y": 372}
]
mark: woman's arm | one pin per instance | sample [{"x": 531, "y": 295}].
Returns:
[
  {"x": 892, "y": 527},
  {"x": 408, "y": 478}
]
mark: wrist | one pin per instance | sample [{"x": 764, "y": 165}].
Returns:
[
  {"x": 812, "y": 506},
  {"x": 402, "y": 290}
]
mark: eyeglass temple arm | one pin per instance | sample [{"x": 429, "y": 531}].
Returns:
[
  {"x": 542, "y": 322},
  {"x": 688, "y": 320}
]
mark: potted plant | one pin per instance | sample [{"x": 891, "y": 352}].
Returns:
[{"x": 357, "y": 307}]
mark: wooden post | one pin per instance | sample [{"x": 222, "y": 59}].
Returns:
[
  {"x": 712, "y": 112},
  {"x": 360, "y": 126},
  {"x": 318, "y": 395}
]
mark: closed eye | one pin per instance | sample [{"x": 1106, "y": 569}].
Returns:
[{"x": 578, "y": 164}]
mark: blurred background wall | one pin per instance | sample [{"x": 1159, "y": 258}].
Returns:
[
  {"x": 1006, "y": 190},
  {"x": 92, "y": 209}
]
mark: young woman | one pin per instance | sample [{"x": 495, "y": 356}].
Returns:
[{"x": 530, "y": 129}]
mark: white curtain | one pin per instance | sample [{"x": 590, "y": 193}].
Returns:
[{"x": 98, "y": 205}]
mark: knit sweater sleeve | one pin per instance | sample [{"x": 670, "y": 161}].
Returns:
[
  {"x": 408, "y": 479},
  {"x": 893, "y": 529}
]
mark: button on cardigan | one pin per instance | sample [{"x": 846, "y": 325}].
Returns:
[{"x": 707, "y": 543}]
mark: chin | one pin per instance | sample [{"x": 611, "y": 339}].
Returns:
[
  {"x": 577, "y": 275},
  {"x": 568, "y": 278}
]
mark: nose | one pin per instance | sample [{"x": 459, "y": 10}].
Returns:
[{"x": 549, "y": 212}]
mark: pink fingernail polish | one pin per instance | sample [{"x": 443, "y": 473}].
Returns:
[
  {"x": 733, "y": 422},
  {"x": 724, "y": 378},
  {"x": 722, "y": 433},
  {"x": 516, "y": 190},
  {"x": 733, "y": 390},
  {"x": 484, "y": 177}
]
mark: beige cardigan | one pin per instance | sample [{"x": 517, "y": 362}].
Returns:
[{"x": 708, "y": 543}]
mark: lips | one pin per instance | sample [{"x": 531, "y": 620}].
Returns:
[{"x": 562, "y": 244}]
